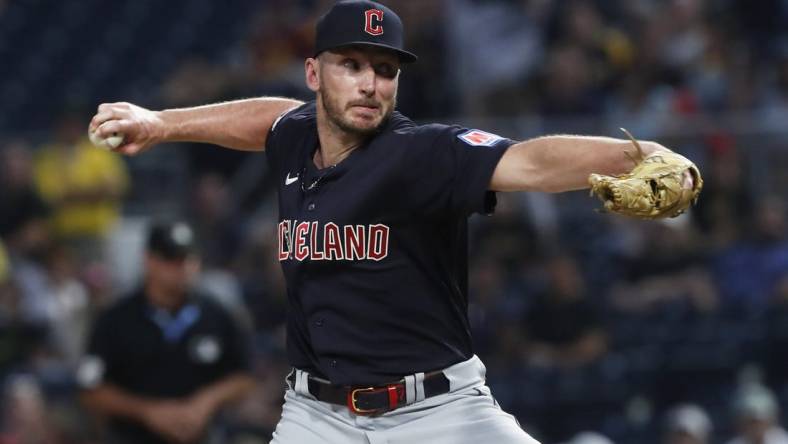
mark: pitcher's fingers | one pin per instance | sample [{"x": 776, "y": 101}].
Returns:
[
  {"x": 125, "y": 127},
  {"x": 115, "y": 105},
  {"x": 105, "y": 115},
  {"x": 98, "y": 119},
  {"x": 110, "y": 111},
  {"x": 108, "y": 128},
  {"x": 689, "y": 182},
  {"x": 130, "y": 149}
]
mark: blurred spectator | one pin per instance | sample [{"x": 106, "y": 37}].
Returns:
[
  {"x": 4, "y": 265},
  {"x": 605, "y": 51},
  {"x": 279, "y": 42},
  {"x": 744, "y": 86},
  {"x": 776, "y": 342},
  {"x": 682, "y": 36},
  {"x": 27, "y": 247},
  {"x": 589, "y": 438},
  {"x": 639, "y": 105},
  {"x": 423, "y": 94},
  {"x": 25, "y": 418},
  {"x": 18, "y": 338},
  {"x": 219, "y": 230},
  {"x": 83, "y": 185},
  {"x": 726, "y": 195},
  {"x": 67, "y": 306},
  {"x": 20, "y": 204},
  {"x": 668, "y": 269},
  {"x": 487, "y": 281},
  {"x": 687, "y": 424},
  {"x": 760, "y": 24},
  {"x": 44, "y": 291},
  {"x": 163, "y": 361},
  {"x": 261, "y": 278},
  {"x": 748, "y": 273},
  {"x": 563, "y": 326},
  {"x": 571, "y": 83},
  {"x": 757, "y": 417},
  {"x": 215, "y": 224},
  {"x": 258, "y": 413},
  {"x": 583, "y": 23},
  {"x": 774, "y": 109},
  {"x": 23, "y": 227},
  {"x": 489, "y": 59},
  {"x": 195, "y": 81}
]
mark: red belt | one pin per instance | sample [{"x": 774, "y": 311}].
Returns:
[{"x": 369, "y": 401}]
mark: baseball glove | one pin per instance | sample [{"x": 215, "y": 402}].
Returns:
[{"x": 653, "y": 189}]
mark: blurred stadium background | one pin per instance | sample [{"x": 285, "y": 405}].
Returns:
[{"x": 585, "y": 321}]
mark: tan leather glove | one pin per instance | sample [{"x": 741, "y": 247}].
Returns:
[{"x": 655, "y": 188}]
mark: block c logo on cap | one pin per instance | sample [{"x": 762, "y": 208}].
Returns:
[{"x": 377, "y": 14}]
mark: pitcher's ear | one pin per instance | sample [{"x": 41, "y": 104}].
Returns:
[{"x": 312, "y": 72}]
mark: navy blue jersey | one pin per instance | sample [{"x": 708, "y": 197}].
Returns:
[{"x": 374, "y": 249}]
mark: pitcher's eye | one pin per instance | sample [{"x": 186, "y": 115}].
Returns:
[
  {"x": 386, "y": 70},
  {"x": 350, "y": 64}
]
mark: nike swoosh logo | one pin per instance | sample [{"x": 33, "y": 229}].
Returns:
[{"x": 290, "y": 180}]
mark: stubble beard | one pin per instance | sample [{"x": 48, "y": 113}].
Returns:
[{"x": 336, "y": 116}]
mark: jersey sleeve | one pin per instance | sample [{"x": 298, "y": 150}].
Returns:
[
  {"x": 282, "y": 130},
  {"x": 452, "y": 168},
  {"x": 98, "y": 363}
]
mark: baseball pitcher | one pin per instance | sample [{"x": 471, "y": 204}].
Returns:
[{"x": 372, "y": 231}]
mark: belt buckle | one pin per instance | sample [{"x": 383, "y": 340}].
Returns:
[
  {"x": 351, "y": 402},
  {"x": 393, "y": 391}
]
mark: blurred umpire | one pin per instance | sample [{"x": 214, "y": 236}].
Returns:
[{"x": 161, "y": 362}]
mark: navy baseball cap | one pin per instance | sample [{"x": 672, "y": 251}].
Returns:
[
  {"x": 171, "y": 240},
  {"x": 361, "y": 22}
]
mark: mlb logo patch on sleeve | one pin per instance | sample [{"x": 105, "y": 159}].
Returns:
[{"x": 479, "y": 138}]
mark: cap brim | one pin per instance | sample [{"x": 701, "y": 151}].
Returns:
[{"x": 404, "y": 56}]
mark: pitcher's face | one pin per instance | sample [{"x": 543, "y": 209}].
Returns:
[{"x": 357, "y": 86}]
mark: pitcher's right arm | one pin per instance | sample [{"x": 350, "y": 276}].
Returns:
[{"x": 240, "y": 124}]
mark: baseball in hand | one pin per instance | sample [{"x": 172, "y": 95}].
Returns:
[{"x": 109, "y": 143}]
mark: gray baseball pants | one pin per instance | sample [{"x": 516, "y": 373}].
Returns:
[{"x": 468, "y": 414}]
